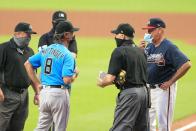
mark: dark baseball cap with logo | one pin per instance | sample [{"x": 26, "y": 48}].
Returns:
[
  {"x": 24, "y": 27},
  {"x": 124, "y": 28},
  {"x": 59, "y": 16},
  {"x": 65, "y": 26},
  {"x": 155, "y": 23}
]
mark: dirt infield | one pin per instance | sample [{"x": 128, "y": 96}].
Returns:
[
  {"x": 183, "y": 122},
  {"x": 179, "y": 26},
  {"x": 99, "y": 24}
]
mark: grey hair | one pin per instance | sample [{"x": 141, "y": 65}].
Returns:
[{"x": 58, "y": 37}]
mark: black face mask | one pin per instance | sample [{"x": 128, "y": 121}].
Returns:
[
  {"x": 119, "y": 42},
  {"x": 55, "y": 23}
]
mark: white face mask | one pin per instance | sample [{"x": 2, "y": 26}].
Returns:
[{"x": 148, "y": 38}]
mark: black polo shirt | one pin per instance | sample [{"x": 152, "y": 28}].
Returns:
[
  {"x": 47, "y": 39},
  {"x": 12, "y": 68},
  {"x": 131, "y": 59}
]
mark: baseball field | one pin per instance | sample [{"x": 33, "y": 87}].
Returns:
[{"x": 92, "y": 108}]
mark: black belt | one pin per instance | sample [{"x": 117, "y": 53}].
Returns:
[
  {"x": 154, "y": 86},
  {"x": 53, "y": 86},
  {"x": 15, "y": 89},
  {"x": 132, "y": 86},
  {"x": 18, "y": 90}
]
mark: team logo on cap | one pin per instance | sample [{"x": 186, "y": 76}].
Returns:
[{"x": 61, "y": 15}]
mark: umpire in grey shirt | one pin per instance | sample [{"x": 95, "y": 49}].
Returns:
[{"x": 131, "y": 113}]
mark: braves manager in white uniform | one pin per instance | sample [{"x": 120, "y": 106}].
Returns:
[{"x": 166, "y": 64}]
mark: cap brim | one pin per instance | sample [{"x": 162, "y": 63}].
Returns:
[
  {"x": 114, "y": 32},
  {"x": 32, "y": 32},
  {"x": 75, "y": 29},
  {"x": 59, "y": 19},
  {"x": 148, "y": 27}
]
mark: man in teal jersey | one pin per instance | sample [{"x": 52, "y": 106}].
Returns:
[{"x": 57, "y": 72}]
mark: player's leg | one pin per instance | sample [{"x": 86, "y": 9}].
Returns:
[
  {"x": 45, "y": 115},
  {"x": 52, "y": 128},
  {"x": 153, "y": 109},
  {"x": 142, "y": 122},
  {"x": 7, "y": 108},
  {"x": 166, "y": 108},
  {"x": 60, "y": 109},
  {"x": 21, "y": 113},
  {"x": 127, "y": 110}
]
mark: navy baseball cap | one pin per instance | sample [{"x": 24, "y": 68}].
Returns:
[
  {"x": 65, "y": 26},
  {"x": 59, "y": 16},
  {"x": 24, "y": 27},
  {"x": 124, "y": 28},
  {"x": 155, "y": 23}
]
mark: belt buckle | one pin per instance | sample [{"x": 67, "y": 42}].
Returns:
[{"x": 153, "y": 86}]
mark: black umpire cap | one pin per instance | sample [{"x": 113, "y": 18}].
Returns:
[
  {"x": 65, "y": 26},
  {"x": 59, "y": 16},
  {"x": 155, "y": 23},
  {"x": 124, "y": 28},
  {"x": 24, "y": 27}
]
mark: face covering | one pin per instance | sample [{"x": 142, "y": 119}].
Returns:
[
  {"x": 22, "y": 42},
  {"x": 148, "y": 38},
  {"x": 55, "y": 23},
  {"x": 119, "y": 42}
]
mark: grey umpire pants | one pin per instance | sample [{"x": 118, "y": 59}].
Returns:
[
  {"x": 54, "y": 107},
  {"x": 131, "y": 113},
  {"x": 13, "y": 110}
]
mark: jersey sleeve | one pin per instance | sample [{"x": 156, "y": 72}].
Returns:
[
  {"x": 73, "y": 46},
  {"x": 68, "y": 66},
  {"x": 115, "y": 64},
  {"x": 35, "y": 60},
  {"x": 176, "y": 57}
]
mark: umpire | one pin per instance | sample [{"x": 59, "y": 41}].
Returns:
[
  {"x": 14, "y": 79},
  {"x": 131, "y": 113},
  {"x": 48, "y": 38}
]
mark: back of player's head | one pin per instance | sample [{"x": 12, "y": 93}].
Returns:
[{"x": 62, "y": 28}]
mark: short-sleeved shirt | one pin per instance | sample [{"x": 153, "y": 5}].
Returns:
[
  {"x": 56, "y": 62},
  {"x": 47, "y": 39},
  {"x": 163, "y": 61},
  {"x": 132, "y": 59},
  {"x": 12, "y": 70}
]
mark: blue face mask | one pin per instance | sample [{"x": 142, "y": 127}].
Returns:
[{"x": 148, "y": 38}]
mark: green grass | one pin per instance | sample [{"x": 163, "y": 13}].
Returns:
[
  {"x": 92, "y": 108},
  {"x": 103, "y": 5}
]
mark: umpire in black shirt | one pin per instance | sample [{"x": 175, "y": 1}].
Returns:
[
  {"x": 48, "y": 38},
  {"x": 14, "y": 79},
  {"x": 131, "y": 113}
]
